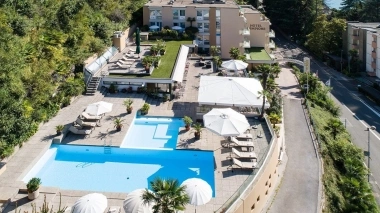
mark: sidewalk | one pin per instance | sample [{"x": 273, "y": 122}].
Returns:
[{"x": 298, "y": 191}]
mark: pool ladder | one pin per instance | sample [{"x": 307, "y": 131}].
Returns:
[{"x": 107, "y": 147}]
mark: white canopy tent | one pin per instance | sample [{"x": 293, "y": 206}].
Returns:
[{"x": 230, "y": 91}]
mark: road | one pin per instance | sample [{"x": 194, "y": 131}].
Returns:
[
  {"x": 358, "y": 112},
  {"x": 298, "y": 191}
]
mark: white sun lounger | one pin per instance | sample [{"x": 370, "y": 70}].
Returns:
[
  {"x": 125, "y": 62},
  {"x": 244, "y": 165},
  {"x": 85, "y": 123},
  {"x": 241, "y": 143},
  {"x": 244, "y": 154},
  {"x": 80, "y": 131},
  {"x": 122, "y": 65},
  {"x": 245, "y": 136},
  {"x": 87, "y": 116}
]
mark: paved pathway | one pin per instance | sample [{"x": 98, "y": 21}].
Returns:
[{"x": 298, "y": 191}]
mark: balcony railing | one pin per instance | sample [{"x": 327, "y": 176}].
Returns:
[
  {"x": 155, "y": 17},
  {"x": 199, "y": 18},
  {"x": 272, "y": 34},
  {"x": 245, "y": 44},
  {"x": 182, "y": 17},
  {"x": 245, "y": 32},
  {"x": 272, "y": 45},
  {"x": 175, "y": 17}
]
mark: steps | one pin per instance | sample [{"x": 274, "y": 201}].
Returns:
[
  {"x": 107, "y": 150},
  {"x": 92, "y": 86}
]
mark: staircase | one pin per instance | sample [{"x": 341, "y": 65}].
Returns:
[{"x": 92, "y": 85}]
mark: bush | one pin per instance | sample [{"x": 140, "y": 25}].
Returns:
[{"x": 33, "y": 184}]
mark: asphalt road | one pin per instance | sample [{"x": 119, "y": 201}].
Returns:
[
  {"x": 358, "y": 112},
  {"x": 298, "y": 191}
]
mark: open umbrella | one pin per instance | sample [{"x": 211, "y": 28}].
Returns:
[
  {"x": 198, "y": 190},
  {"x": 99, "y": 108},
  {"x": 91, "y": 203},
  {"x": 154, "y": 27},
  {"x": 225, "y": 122},
  {"x": 176, "y": 28},
  {"x": 137, "y": 41},
  {"x": 133, "y": 203},
  {"x": 234, "y": 65}
]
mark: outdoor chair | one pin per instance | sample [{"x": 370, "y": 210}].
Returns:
[
  {"x": 87, "y": 116},
  {"x": 86, "y": 123},
  {"x": 237, "y": 142},
  {"x": 250, "y": 155},
  {"x": 245, "y": 136},
  {"x": 80, "y": 131},
  {"x": 122, "y": 65},
  {"x": 125, "y": 62},
  {"x": 243, "y": 165}
]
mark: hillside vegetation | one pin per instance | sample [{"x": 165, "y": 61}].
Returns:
[{"x": 42, "y": 48}]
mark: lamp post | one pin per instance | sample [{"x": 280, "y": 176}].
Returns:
[{"x": 369, "y": 146}]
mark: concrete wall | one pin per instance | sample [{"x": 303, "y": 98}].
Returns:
[
  {"x": 212, "y": 26},
  {"x": 146, "y": 15},
  {"x": 230, "y": 25},
  {"x": 263, "y": 186},
  {"x": 167, "y": 16},
  {"x": 191, "y": 12},
  {"x": 258, "y": 30}
]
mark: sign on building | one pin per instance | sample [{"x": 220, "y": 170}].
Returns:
[{"x": 306, "y": 64}]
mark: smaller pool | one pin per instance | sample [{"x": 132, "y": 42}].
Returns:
[{"x": 153, "y": 133}]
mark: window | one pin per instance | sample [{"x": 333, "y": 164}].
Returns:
[
  {"x": 182, "y": 13},
  {"x": 155, "y": 14},
  {"x": 202, "y": 15},
  {"x": 258, "y": 199},
  {"x": 266, "y": 193},
  {"x": 270, "y": 176},
  {"x": 203, "y": 27},
  {"x": 181, "y": 24},
  {"x": 270, "y": 185},
  {"x": 266, "y": 183},
  {"x": 253, "y": 207}
]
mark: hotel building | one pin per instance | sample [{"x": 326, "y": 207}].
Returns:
[
  {"x": 221, "y": 23},
  {"x": 364, "y": 37}
]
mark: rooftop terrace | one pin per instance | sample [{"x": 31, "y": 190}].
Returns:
[{"x": 258, "y": 53}]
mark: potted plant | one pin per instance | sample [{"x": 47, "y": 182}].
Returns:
[
  {"x": 33, "y": 188},
  {"x": 128, "y": 103},
  {"x": 145, "y": 109},
  {"x": 113, "y": 88},
  {"x": 147, "y": 63},
  {"x": 59, "y": 129},
  {"x": 188, "y": 121},
  {"x": 197, "y": 131},
  {"x": 118, "y": 124}
]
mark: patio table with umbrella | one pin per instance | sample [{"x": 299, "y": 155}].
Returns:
[
  {"x": 226, "y": 122},
  {"x": 91, "y": 203},
  {"x": 154, "y": 27},
  {"x": 198, "y": 190},
  {"x": 133, "y": 203},
  {"x": 99, "y": 108},
  {"x": 234, "y": 65},
  {"x": 176, "y": 28}
]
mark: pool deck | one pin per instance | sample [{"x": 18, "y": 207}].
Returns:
[{"x": 226, "y": 180}]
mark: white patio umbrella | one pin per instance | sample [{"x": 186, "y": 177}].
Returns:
[
  {"x": 133, "y": 203},
  {"x": 91, "y": 203},
  {"x": 154, "y": 27},
  {"x": 198, "y": 190},
  {"x": 234, "y": 65},
  {"x": 225, "y": 122},
  {"x": 176, "y": 28},
  {"x": 99, "y": 108}
]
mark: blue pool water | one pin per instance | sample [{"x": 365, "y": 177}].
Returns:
[
  {"x": 153, "y": 133},
  {"x": 123, "y": 170}
]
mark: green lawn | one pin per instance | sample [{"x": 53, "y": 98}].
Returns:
[
  {"x": 166, "y": 66},
  {"x": 258, "y": 53}
]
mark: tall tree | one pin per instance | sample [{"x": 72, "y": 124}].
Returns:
[{"x": 167, "y": 195}]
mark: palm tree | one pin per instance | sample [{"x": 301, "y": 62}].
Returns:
[
  {"x": 266, "y": 72},
  {"x": 334, "y": 126},
  {"x": 265, "y": 94},
  {"x": 274, "y": 119},
  {"x": 166, "y": 195},
  {"x": 191, "y": 20},
  {"x": 234, "y": 53}
]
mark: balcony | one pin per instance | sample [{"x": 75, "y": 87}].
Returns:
[
  {"x": 374, "y": 44},
  {"x": 245, "y": 32},
  {"x": 155, "y": 17},
  {"x": 373, "y": 54},
  {"x": 245, "y": 44},
  {"x": 182, "y": 17},
  {"x": 272, "y": 34},
  {"x": 272, "y": 45}
]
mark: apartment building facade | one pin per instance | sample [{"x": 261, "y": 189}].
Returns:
[
  {"x": 363, "y": 37},
  {"x": 220, "y": 23}
]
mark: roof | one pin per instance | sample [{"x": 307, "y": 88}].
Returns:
[
  {"x": 179, "y": 67},
  {"x": 230, "y": 91},
  {"x": 195, "y": 3}
]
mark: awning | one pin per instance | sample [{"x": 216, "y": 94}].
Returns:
[
  {"x": 179, "y": 67},
  {"x": 230, "y": 91}
]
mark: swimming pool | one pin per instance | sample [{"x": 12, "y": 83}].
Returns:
[
  {"x": 121, "y": 170},
  {"x": 153, "y": 133}
]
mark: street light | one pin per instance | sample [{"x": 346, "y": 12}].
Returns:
[{"x": 369, "y": 143}]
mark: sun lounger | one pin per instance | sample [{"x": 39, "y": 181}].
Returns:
[
  {"x": 244, "y": 154},
  {"x": 87, "y": 116},
  {"x": 125, "y": 62},
  {"x": 86, "y": 123},
  {"x": 236, "y": 142},
  {"x": 122, "y": 65},
  {"x": 80, "y": 131},
  {"x": 243, "y": 165},
  {"x": 245, "y": 136}
]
